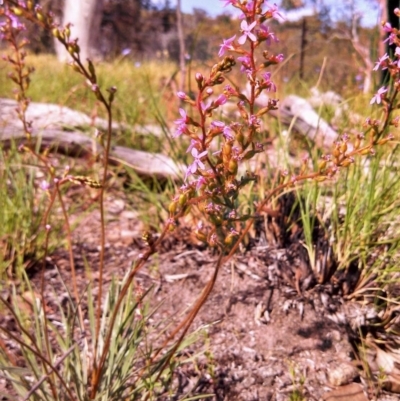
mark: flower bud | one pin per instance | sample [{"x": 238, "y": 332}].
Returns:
[
  {"x": 182, "y": 199},
  {"x": 343, "y": 147},
  {"x": 199, "y": 79},
  {"x": 71, "y": 49},
  {"x": 228, "y": 240},
  {"x": 240, "y": 137},
  {"x": 67, "y": 31},
  {"x": 92, "y": 70},
  {"x": 366, "y": 151},
  {"x": 226, "y": 152},
  {"x": 216, "y": 219},
  {"x": 322, "y": 165},
  {"x": 384, "y": 140},
  {"x": 16, "y": 11},
  {"x": 40, "y": 16},
  {"x": 249, "y": 155},
  {"x": 347, "y": 162},
  {"x": 56, "y": 33},
  {"x": 75, "y": 67},
  {"x": 172, "y": 207},
  {"x": 233, "y": 166},
  {"x": 200, "y": 235},
  {"x": 221, "y": 100}
]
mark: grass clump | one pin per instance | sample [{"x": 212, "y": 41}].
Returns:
[{"x": 22, "y": 205}]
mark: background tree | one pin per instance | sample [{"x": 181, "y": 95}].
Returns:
[{"x": 85, "y": 19}]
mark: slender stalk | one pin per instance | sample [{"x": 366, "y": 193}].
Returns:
[
  {"x": 45, "y": 377},
  {"x": 106, "y": 153},
  {"x": 35, "y": 350},
  {"x": 45, "y": 320},
  {"x": 71, "y": 257}
]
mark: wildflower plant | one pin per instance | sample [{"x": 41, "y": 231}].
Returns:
[
  {"x": 215, "y": 179},
  {"x": 216, "y": 175}
]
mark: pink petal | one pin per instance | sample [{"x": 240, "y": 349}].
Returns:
[{"x": 242, "y": 39}]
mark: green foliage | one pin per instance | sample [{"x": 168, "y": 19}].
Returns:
[
  {"x": 358, "y": 216},
  {"x": 22, "y": 206},
  {"x": 137, "y": 85},
  {"x": 57, "y": 352},
  {"x": 365, "y": 211}
]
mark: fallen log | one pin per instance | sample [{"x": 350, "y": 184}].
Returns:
[
  {"x": 53, "y": 116},
  {"x": 298, "y": 113},
  {"x": 77, "y": 144},
  {"x": 58, "y": 128}
]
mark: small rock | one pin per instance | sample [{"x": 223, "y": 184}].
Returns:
[
  {"x": 392, "y": 383},
  {"x": 128, "y": 234},
  {"x": 116, "y": 206},
  {"x": 129, "y": 215},
  {"x": 342, "y": 374},
  {"x": 353, "y": 392},
  {"x": 248, "y": 382},
  {"x": 321, "y": 377},
  {"x": 335, "y": 335}
]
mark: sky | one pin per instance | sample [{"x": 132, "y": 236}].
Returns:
[{"x": 215, "y": 7}]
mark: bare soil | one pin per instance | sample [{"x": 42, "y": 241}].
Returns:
[{"x": 269, "y": 334}]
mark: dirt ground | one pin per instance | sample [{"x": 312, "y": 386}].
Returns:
[{"x": 265, "y": 339}]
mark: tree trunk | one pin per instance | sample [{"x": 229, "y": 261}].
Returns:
[
  {"x": 182, "y": 50},
  {"x": 85, "y": 19}
]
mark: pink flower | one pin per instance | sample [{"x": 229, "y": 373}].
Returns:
[
  {"x": 197, "y": 163},
  {"x": 184, "y": 119},
  {"x": 229, "y": 90},
  {"x": 246, "y": 63},
  {"x": 193, "y": 143},
  {"x": 229, "y": 2},
  {"x": 246, "y": 30},
  {"x": 387, "y": 27},
  {"x": 228, "y": 133},
  {"x": 44, "y": 185},
  {"x": 276, "y": 59},
  {"x": 273, "y": 12},
  {"x": 221, "y": 99},
  {"x": 267, "y": 83},
  {"x": 265, "y": 34},
  {"x": 181, "y": 123},
  {"x": 392, "y": 36},
  {"x": 377, "y": 98},
  {"x": 382, "y": 62},
  {"x": 201, "y": 181},
  {"x": 217, "y": 126},
  {"x": 227, "y": 45},
  {"x": 181, "y": 129}
]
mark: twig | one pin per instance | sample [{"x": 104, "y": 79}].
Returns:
[{"x": 44, "y": 377}]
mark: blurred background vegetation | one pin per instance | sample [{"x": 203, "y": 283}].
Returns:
[{"x": 314, "y": 42}]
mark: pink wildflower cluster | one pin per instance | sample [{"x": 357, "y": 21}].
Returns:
[
  {"x": 212, "y": 182},
  {"x": 211, "y": 179},
  {"x": 392, "y": 64}
]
